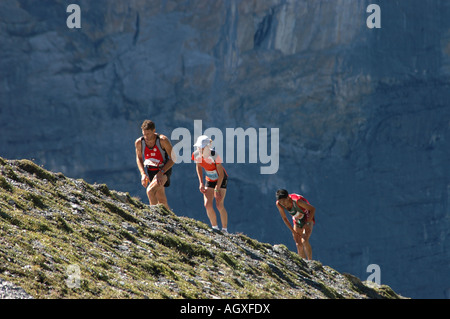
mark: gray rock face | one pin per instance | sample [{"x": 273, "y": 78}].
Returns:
[
  {"x": 11, "y": 291},
  {"x": 363, "y": 113}
]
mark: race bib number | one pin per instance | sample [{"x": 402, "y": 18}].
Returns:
[
  {"x": 151, "y": 162},
  {"x": 212, "y": 175},
  {"x": 298, "y": 215}
]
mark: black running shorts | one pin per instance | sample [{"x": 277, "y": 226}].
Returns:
[
  {"x": 152, "y": 173},
  {"x": 213, "y": 184}
]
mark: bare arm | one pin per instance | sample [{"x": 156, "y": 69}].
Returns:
[
  {"x": 305, "y": 205},
  {"x": 221, "y": 174},
  {"x": 199, "y": 170},
  {"x": 140, "y": 162},
  {"x": 167, "y": 146},
  {"x": 283, "y": 216}
]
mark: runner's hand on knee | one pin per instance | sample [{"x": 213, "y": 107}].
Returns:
[{"x": 144, "y": 180}]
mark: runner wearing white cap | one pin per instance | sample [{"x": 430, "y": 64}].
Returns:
[{"x": 216, "y": 180}]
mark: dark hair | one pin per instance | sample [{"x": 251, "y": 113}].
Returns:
[
  {"x": 282, "y": 193},
  {"x": 148, "y": 125}
]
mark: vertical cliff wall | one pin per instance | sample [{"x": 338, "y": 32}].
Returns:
[{"x": 363, "y": 114}]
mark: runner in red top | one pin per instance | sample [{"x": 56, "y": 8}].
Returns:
[
  {"x": 302, "y": 213},
  {"x": 216, "y": 181},
  {"x": 154, "y": 161}
]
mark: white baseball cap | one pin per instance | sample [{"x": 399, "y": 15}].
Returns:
[{"x": 202, "y": 141}]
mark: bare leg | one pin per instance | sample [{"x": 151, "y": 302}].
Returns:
[
  {"x": 299, "y": 241},
  {"x": 305, "y": 240},
  {"x": 221, "y": 208},
  {"x": 156, "y": 193},
  {"x": 161, "y": 197},
  {"x": 151, "y": 193},
  {"x": 208, "y": 202}
]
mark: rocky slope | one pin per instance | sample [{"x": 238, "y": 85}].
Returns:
[{"x": 122, "y": 248}]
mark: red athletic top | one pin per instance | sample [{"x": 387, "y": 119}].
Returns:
[
  {"x": 209, "y": 164},
  {"x": 155, "y": 157},
  {"x": 296, "y": 209}
]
